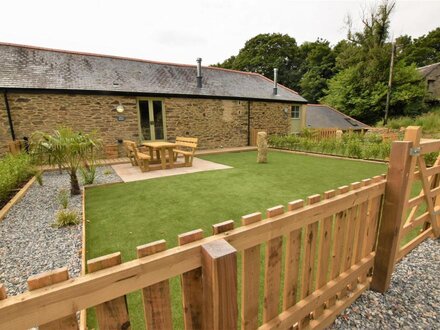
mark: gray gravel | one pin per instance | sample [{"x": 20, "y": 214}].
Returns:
[
  {"x": 412, "y": 302},
  {"x": 29, "y": 244}
]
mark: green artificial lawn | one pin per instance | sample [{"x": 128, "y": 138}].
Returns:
[{"x": 123, "y": 216}]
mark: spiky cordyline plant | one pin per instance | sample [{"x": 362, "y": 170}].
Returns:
[{"x": 64, "y": 148}]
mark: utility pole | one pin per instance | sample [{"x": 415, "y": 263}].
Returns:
[{"x": 390, "y": 82}]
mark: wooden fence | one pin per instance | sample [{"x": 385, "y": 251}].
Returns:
[
  {"x": 329, "y": 253},
  {"x": 329, "y": 245}
]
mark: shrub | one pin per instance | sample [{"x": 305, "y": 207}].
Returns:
[
  {"x": 354, "y": 145},
  {"x": 63, "y": 198},
  {"x": 66, "y": 218},
  {"x": 14, "y": 170},
  {"x": 64, "y": 147},
  {"x": 88, "y": 174}
]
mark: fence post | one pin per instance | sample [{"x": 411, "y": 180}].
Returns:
[
  {"x": 219, "y": 266},
  {"x": 397, "y": 191}
]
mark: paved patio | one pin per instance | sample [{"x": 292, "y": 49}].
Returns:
[{"x": 129, "y": 173}]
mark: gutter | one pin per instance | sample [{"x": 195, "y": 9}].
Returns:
[{"x": 8, "y": 111}]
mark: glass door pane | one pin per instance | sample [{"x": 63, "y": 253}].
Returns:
[
  {"x": 158, "y": 120},
  {"x": 144, "y": 111}
]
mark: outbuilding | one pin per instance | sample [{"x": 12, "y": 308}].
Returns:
[{"x": 125, "y": 98}]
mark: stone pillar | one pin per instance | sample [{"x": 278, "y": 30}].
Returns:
[
  {"x": 262, "y": 147},
  {"x": 339, "y": 134}
]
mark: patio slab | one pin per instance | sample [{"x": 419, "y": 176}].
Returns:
[{"x": 129, "y": 173}]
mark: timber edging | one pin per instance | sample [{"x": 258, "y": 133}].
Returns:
[{"x": 18, "y": 196}]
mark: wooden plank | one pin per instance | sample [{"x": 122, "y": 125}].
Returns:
[
  {"x": 92, "y": 289},
  {"x": 272, "y": 270},
  {"x": 430, "y": 204},
  {"x": 396, "y": 195},
  {"x": 305, "y": 306},
  {"x": 46, "y": 279},
  {"x": 419, "y": 221},
  {"x": 3, "y": 294},
  {"x": 363, "y": 210},
  {"x": 192, "y": 286},
  {"x": 112, "y": 314},
  {"x": 349, "y": 243},
  {"x": 325, "y": 239},
  {"x": 338, "y": 242},
  {"x": 292, "y": 266},
  {"x": 18, "y": 196},
  {"x": 407, "y": 248},
  {"x": 250, "y": 283},
  {"x": 222, "y": 227},
  {"x": 374, "y": 209},
  {"x": 429, "y": 146},
  {"x": 219, "y": 260},
  {"x": 156, "y": 298},
  {"x": 330, "y": 314},
  {"x": 310, "y": 246}
]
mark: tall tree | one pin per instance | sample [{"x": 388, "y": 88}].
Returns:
[
  {"x": 360, "y": 88},
  {"x": 317, "y": 67},
  {"x": 420, "y": 51},
  {"x": 265, "y": 52}
]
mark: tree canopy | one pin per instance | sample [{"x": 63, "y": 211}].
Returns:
[{"x": 352, "y": 75}]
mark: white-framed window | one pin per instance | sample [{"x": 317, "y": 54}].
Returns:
[{"x": 294, "y": 112}]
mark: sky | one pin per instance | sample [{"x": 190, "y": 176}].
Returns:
[{"x": 180, "y": 31}]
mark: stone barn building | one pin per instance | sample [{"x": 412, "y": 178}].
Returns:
[
  {"x": 124, "y": 98},
  {"x": 431, "y": 74}
]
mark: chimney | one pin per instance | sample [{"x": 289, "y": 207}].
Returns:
[
  {"x": 199, "y": 72},
  {"x": 275, "y": 81}
]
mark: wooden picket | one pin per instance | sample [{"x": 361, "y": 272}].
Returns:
[
  {"x": 192, "y": 286},
  {"x": 112, "y": 313},
  {"x": 46, "y": 279},
  {"x": 156, "y": 298}
]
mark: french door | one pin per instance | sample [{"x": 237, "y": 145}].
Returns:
[{"x": 151, "y": 119}]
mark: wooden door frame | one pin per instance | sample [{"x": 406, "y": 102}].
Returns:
[{"x": 150, "y": 110}]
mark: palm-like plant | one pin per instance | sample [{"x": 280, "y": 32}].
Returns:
[{"x": 64, "y": 148}]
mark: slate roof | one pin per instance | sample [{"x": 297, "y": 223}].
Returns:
[
  {"x": 28, "y": 67},
  {"x": 427, "y": 69},
  {"x": 324, "y": 116}
]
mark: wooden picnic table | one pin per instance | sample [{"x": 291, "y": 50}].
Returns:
[{"x": 161, "y": 147}]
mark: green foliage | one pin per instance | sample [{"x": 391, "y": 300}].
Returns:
[
  {"x": 14, "y": 170},
  {"x": 39, "y": 177},
  {"x": 265, "y": 52},
  {"x": 66, "y": 217},
  {"x": 108, "y": 172},
  {"x": 430, "y": 122},
  {"x": 318, "y": 66},
  {"x": 421, "y": 51},
  {"x": 360, "y": 89},
  {"x": 88, "y": 173},
  {"x": 368, "y": 146},
  {"x": 64, "y": 148},
  {"x": 63, "y": 198}
]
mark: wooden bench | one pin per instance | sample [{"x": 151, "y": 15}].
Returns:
[
  {"x": 129, "y": 151},
  {"x": 142, "y": 159},
  {"x": 186, "y": 146}
]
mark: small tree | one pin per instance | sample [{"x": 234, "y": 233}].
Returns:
[{"x": 64, "y": 148}]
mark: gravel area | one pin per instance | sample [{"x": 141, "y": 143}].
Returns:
[
  {"x": 412, "y": 302},
  {"x": 29, "y": 244}
]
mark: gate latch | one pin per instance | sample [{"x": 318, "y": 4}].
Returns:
[{"x": 414, "y": 151}]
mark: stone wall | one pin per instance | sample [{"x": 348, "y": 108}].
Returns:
[
  {"x": 270, "y": 116},
  {"x": 433, "y": 82},
  {"x": 217, "y": 123}
]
